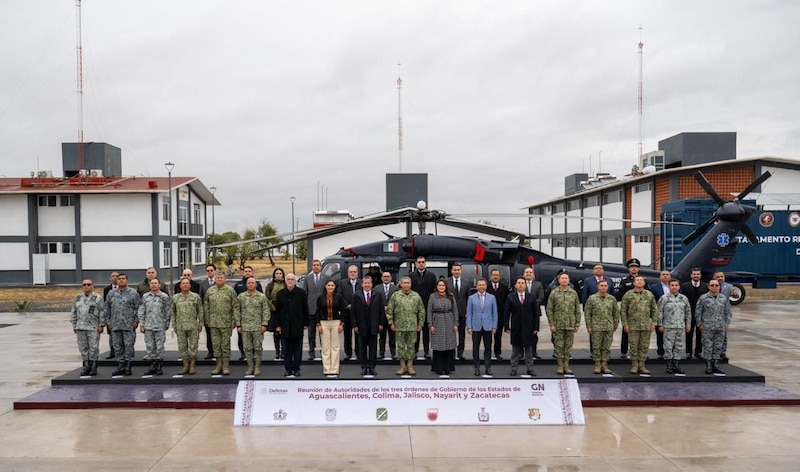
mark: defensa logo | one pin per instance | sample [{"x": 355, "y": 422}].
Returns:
[
  {"x": 723, "y": 239},
  {"x": 766, "y": 219}
]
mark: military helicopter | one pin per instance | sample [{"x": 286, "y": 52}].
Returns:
[{"x": 478, "y": 257}]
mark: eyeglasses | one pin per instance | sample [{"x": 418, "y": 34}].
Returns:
[
  {"x": 87, "y": 285},
  {"x": 209, "y": 270},
  {"x": 713, "y": 285}
]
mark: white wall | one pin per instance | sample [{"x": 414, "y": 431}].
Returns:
[
  {"x": 15, "y": 256},
  {"x": 574, "y": 223},
  {"x": 62, "y": 262},
  {"x": 642, "y": 208},
  {"x": 591, "y": 254},
  {"x": 573, "y": 253},
  {"x": 56, "y": 221},
  {"x": 110, "y": 255},
  {"x": 613, "y": 211},
  {"x": 590, "y": 224},
  {"x": 641, "y": 251},
  {"x": 782, "y": 181},
  {"x": 116, "y": 215},
  {"x": 15, "y": 215},
  {"x": 612, "y": 255}
]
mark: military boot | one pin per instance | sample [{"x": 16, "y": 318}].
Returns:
[
  {"x": 120, "y": 370},
  {"x": 192, "y": 366},
  {"x": 257, "y": 366},
  {"x": 670, "y": 367},
  {"x": 560, "y": 369},
  {"x": 714, "y": 367},
  {"x": 85, "y": 370},
  {"x": 402, "y": 369},
  {"x": 642, "y": 368},
  {"x": 604, "y": 367},
  {"x": 634, "y": 367},
  {"x": 128, "y": 368},
  {"x": 217, "y": 370},
  {"x": 567, "y": 370},
  {"x": 708, "y": 367},
  {"x": 185, "y": 368},
  {"x": 93, "y": 369},
  {"x": 152, "y": 369},
  {"x": 226, "y": 366},
  {"x": 676, "y": 367},
  {"x": 159, "y": 366},
  {"x": 597, "y": 367},
  {"x": 249, "y": 370},
  {"x": 410, "y": 367}
]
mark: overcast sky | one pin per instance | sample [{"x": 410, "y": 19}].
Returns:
[{"x": 501, "y": 100}]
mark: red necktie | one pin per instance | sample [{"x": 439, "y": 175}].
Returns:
[
  {"x": 367, "y": 298},
  {"x": 521, "y": 298}
]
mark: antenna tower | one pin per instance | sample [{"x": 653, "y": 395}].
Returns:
[
  {"x": 399, "y": 120},
  {"x": 641, "y": 80},
  {"x": 79, "y": 52}
]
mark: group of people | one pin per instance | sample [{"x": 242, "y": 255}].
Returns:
[{"x": 438, "y": 311}]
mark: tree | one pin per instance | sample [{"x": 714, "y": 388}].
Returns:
[
  {"x": 302, "y": 250},
  {"x": 265, "y": 230},
  {"x": 228, "y": 253},
  {"x": 247, "y": 250}
]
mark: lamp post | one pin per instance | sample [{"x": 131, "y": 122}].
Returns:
[
  {"x": 293, "y": 268},
  {"x": 213, "y": 228},
  {"x": 169, "y": 166}
]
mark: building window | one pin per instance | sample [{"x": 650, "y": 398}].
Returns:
[
  {"x": 198, "y": 252},
  {"x": 166, "y": 254},
  {"x": 183, "y": 220},
  {"x": 612, "y": 197},
  {"x": 558, "y": 242},
  {"x": 165, "y": 208},
  {"x": 591, "y": 241},
  {"x": 573, "y": 205},
  {"x": 48, "y": 248},
  {"x": 47, "y": 201},
  {"x": 196, "y": 219},
  {"x": 642, "y": 187},
  {"x": 643, "y": 238},
  {"x": 67, "y": 200},
  {"x": 559, "y": 208},
  {"x": 67, "y": 248},
  {"x": 574, "y": 242},
  {"x": 592, "y": 201},
  {"x": 612, "y": 241}
]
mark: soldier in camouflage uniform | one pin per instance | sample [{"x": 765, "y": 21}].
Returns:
[
  {"x": 639, "y": 314},
  {"x": 405, "y": 315},
  {"x": 121, "y": 316},
  {"x": 187, "y": 321},
  {"x": 220, "y": 307},
  {"x": 564, "y": 316},
  {"x": 154, "y": 314},
  {"x": 252, "y": 319},
  {"x": 602, "y": 318},
  {"x": 87, "y": 324},
  {"x": 674, "y": 320},
  {"x": 713, "y": 315}
]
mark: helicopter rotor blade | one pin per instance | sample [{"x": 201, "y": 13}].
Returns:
[
  {"x": 701, "y": 179},
  {"x": 751, "y": 236},
  {"x": 699, "y": 231},
  {"x": 754, "y": 185}
]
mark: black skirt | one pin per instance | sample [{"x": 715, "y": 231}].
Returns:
[{"x": 443, "y": 361}]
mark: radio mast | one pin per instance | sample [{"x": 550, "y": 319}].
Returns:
[
  {"x": 79, "y": 53},
  {"x": 641, "y": 80},
  {"x": 399, "y": 120}
]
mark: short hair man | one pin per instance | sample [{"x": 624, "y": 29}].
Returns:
[
  {"x": 122, "y": 315},
  {"x": 154, "y": 314},
  {"x": 481, "y": 323},
  {"x": 674, "y": 320},
  {"x": 220, "y": 308},
  {"x": 639, "y": 314},
  {"x": 602, "y": 319},
  {"x": 87, "y": 324},
  {"x": 713, "y": 316},
  {"x": 405, "y": 314}
]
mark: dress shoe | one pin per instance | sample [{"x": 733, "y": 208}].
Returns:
[
  {"x": 209, "y": 355},
  {"x": 488, "y": 371},
  {"x": 513, "y": 372},
  {"x": 364, "y": 371},
  {"x": 477, "y": 372},
  {"x": 532, "y": 373},
  {"x": 297, "y": 373},
  {"x": 110, "y": 356}
]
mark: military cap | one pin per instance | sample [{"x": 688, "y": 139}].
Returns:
[{"x": 633, "y": 262}]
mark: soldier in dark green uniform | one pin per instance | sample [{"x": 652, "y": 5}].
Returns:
[
  {"x": 220, "y": 306},
  {"x": 405, "y": 315},
  {"x": 252, "y": 319},
  {"x": 187, "y": 321},
  {"x": 564, "y": 317},
  {"x": 639, "y": 314},
  {"x": 602, "y": 319}
]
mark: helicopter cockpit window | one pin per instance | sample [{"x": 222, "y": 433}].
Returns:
[{"x": 332, "y": 271}]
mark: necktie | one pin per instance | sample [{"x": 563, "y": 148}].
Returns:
[
  {"x": 522, "y": 298},
  {"x": 695, "y": 284},
  {"x": 316, "y": 280},
  {"x": 353, "y": 285},
  {"x": 495, "y": 286},
  {"x": 367, "y": 298},
  {"x": 529, "y": 287},
  {"x": 457, "y": 286},
  {"x": 386, "y": 291},
  {"x": 481, "y": 297}
]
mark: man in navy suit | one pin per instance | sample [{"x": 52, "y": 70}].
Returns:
[
  {"x": 459, "y": 287},
  {"x": 481, "y": 325},
  {"x": 522, "y": 313},
  {"x": 369, "y": 319},
  {"x": 660, "y": 289},
  {"x": 347, "y": 288},
  {"x": 500, "y": 291}
]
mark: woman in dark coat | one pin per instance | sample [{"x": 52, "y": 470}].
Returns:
[{"x": 443, "y": 322}]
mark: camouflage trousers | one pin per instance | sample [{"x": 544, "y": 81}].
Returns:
[
  {"x": 406, "y": 341},
  {"x": 123, "y": 344},
  {"x": 601, "y": 345},
  {"x": 221, "y": 340},
  {"x": 712, "y": 343},
  {"x": 673, "y": 343},
  {"x": 187, "y": 343},
  {"x": 253, "y": 344},
  {"x": 88, "y": 344},
  {"x": 562, "y": 342},
  {"x": 154, "y": 343},
  {"x": 639, "y": 344}
]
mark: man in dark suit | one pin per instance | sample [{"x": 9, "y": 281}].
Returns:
[
  {"x": 522, "y": 313},
  {"x": 109, "y": 287},
  {"x": 347, "y": 288},
  {"x": 500, "y": 291},
  {"x": 193, "y": 285},
  {"x": 534, "y": 288},
  {"x": 660, "y": 289},
  {"x": 314, "y": 285},
  {"x": 387, "y": 288},
  {"x": 369, "y": 319},
  {"x": 459, "y": 287},
  {"x": 423, "y": 282},
  {"x": 693, "y": 289}
]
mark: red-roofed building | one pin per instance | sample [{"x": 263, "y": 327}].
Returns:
[{"x": 64, "y": 229}]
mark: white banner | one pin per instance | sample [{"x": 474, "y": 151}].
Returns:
[{"x": 408, "y": 402}]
